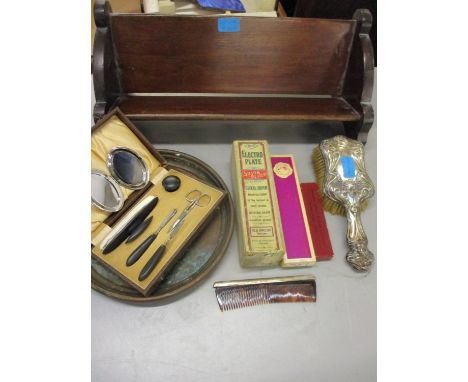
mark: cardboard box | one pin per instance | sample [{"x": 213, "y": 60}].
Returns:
[
  {"x": 259, "y": 227},
  {"x": 299, "y": 250}
]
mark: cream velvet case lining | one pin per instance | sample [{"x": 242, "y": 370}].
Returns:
[
  {"x": 115, "y": 130},
  {"x": 115, "y": 133}
]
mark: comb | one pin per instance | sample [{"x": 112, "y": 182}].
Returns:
[{"x": 244, "y": 293}]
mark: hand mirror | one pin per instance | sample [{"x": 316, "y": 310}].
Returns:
[
  {"x": 106, "y": 194},
  {"x": 128, "y": 168}
]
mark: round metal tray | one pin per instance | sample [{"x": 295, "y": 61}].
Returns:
[{"x": 200, "y": 257}]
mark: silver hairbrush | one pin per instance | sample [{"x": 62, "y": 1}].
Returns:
[{"x": 345, "y": 188}]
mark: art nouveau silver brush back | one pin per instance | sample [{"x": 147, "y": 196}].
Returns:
[{"x": 347, "y": 183}]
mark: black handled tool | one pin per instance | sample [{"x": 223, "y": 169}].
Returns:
[
  {"x": 151, "y": 264},
  {"x": 138, "y": 230},
  {"x": 153, "y": 261},
  {"x": 195, "y": 198},
  {"x": 124, "y": 231},
  {"x": 141, "y": 249},
  {"x": 138, "y": 252}
]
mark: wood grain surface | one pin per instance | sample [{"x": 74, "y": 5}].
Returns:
[
  {"x": 188, "y": 54},
  {"x": 182, "y": 69},
  {"x": 243, "y": 108}
]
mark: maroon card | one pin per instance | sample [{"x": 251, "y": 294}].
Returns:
[{"x": 317, "y": 223}]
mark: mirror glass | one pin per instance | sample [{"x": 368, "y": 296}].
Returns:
[
  {"x": 128, "y": 168},
  {"x": 105, "y": 192}
]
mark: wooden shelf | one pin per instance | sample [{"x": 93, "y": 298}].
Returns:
[{"x": 238, "y": 108}]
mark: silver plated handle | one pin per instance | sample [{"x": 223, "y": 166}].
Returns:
[
  {"x": 350, "y": 191},
  {"x": 358, "y": 256}
]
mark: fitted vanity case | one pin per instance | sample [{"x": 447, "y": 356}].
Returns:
[
  {"x": 113, "y": 131},
  {"x": 186, "y": 79}
]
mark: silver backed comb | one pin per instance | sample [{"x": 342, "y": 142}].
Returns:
[{"x": 244, "y": 293}]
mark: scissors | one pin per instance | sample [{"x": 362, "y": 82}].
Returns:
[{"x": 195, "y": 198}]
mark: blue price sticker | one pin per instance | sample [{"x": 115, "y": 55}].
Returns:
[
  {"x": 228, "y": 24},
  {"x": 349, "y": 167}
]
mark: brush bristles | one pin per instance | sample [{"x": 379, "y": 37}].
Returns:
[{"x": 328, "y": 204}]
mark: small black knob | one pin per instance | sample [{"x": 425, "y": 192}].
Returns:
[{"x": 171, "y": 183}]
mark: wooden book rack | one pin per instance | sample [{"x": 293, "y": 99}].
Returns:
[{"x": 180, "y": 79}]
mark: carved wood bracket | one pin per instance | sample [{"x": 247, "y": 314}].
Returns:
[
  {"x": 106, "y": 83},
  {"x": 364, "y": 18}
]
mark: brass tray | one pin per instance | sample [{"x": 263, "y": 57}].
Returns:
[{"x": 200, "y": 257}]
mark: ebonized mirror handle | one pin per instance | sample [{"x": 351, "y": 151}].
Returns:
[{"x": 151, "y": 264}]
